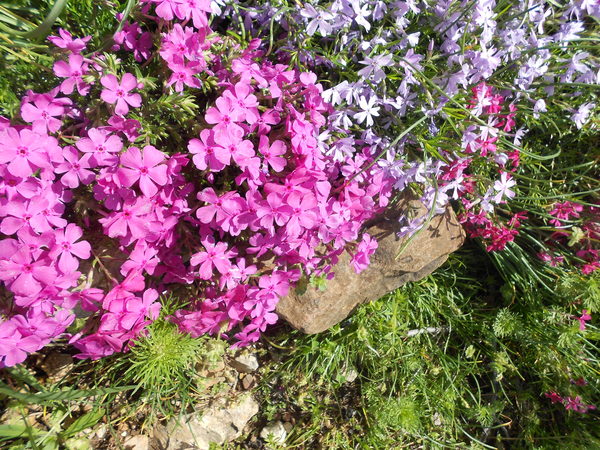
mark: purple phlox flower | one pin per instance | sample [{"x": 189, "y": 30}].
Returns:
[
  {"x": 145, "y": 167},
  {"x": 360, "y": 14},
  {"x": 66, "y": 41},
  {"x": 319, "y": 20},
  {"x": 374, "y": 67},
  {"x": 369, "y": 110},
  {"x": 540, "y": 106},
  {"x": 120, "y": 92},
  {"x": 581, "y": 116},
  {"x": 502, "y": 187}
]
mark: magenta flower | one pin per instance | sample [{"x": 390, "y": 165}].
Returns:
[
  {"x": 303, "y": 215},
  {"x": 243, "y": 101},
  {"x": 273, "y": 152},
  {"x": 554, "y": 397},
  {"x": 25, "y": 276},
  {"x": 43, "y": 113},
  {"x": 215, "y": 255},
  {"x": 25, "y": 214},
  {"x": 66, "y": 248},
  {"x": 73, "y": 71},
  {"x": 101, "y": 144},
  {"x": 120, "y": 93},
  {"x": 362, "y": 258},
  {"x": 67, "y": 42},
  {"x": 75, "y": 170},
  {"x": 24, "y": 151},
  {"x": 207, "y": 154},
  {"x": 13, "y": 346},
  {"x": 195, "y": 10},
  {"x": 183, "y": 74},
  {"x": 131, "y": 219},
  {"x": 585, "y": 317},
  {"x": 143, "y": 166}
]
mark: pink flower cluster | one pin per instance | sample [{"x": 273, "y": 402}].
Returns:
[
  {"x": 570, "y": 403},
  {"x": 584, "y": 245},
  {"x": 480, "y": 218},
  {"x": 252, "y": 205}
]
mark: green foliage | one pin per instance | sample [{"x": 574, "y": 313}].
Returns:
[{"x": 455, "y": 359}]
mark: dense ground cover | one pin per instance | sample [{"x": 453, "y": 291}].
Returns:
[{"x": 221, "y": 169}]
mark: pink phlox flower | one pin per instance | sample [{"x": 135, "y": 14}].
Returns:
[
  {"x": 23, "y": 151},
  {"x": 183, "y": 73},
  {"x": 25, "y": 276},
  {"x": 14, "y": 347},
  {"x": 16, "y": 187},
  {"x": 101, "y": 144},
  {"x": 132, "y": 311},
  {"x": 194, "y": 9},
  {"x": 129, "y": 127},
  {"x": 133, "y": 39},
  {"x": 28, "y": 214},
  {"x": 89, "y": 299},
  {"x": 362, "y": 258},
  {"x": 145, "y": 167},
  {"x": 272, "y": 153},
  {"x": 554, "y": 397},
  {"x": 243, "y": 101},
  {"x": 67, "y": 249},
  {"x": 207, "y": 154},
  {"x": 66, "y": 41},
  {"x": 564, "y": 211},
  {"x": 225, "y": 115},
  {"x": 273, "y": 210},
  {"x": 142, "y": 257},
  {"x": 220, "y": 208},
  {"x": 120, "y": 92},
  {"x": 182, "y": 42},
  {"x": 73, "y": 71},
  {"x": 43, "y": 113},
  {"x": 230, "y": 138},
  {"x": 75, "y": 170},
  {"x": 304, "y": 213},
  {"x": 131, "y": 219},
  {"x": 585, "y": 317},
  {"x": 215, "y": 255}
]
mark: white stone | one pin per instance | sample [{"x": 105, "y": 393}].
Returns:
[
  {"x": 218, "y": 424},
  {"x": 274, "y": 432},
  {"x": 138, "y": 442},
  {"x": 245, "y": 363}
]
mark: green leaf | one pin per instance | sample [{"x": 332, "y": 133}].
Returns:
[
  {"x": 13, "y": 431},
  {"x": 60, "y": 395},
  {"x": 86, "y": 421}
]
